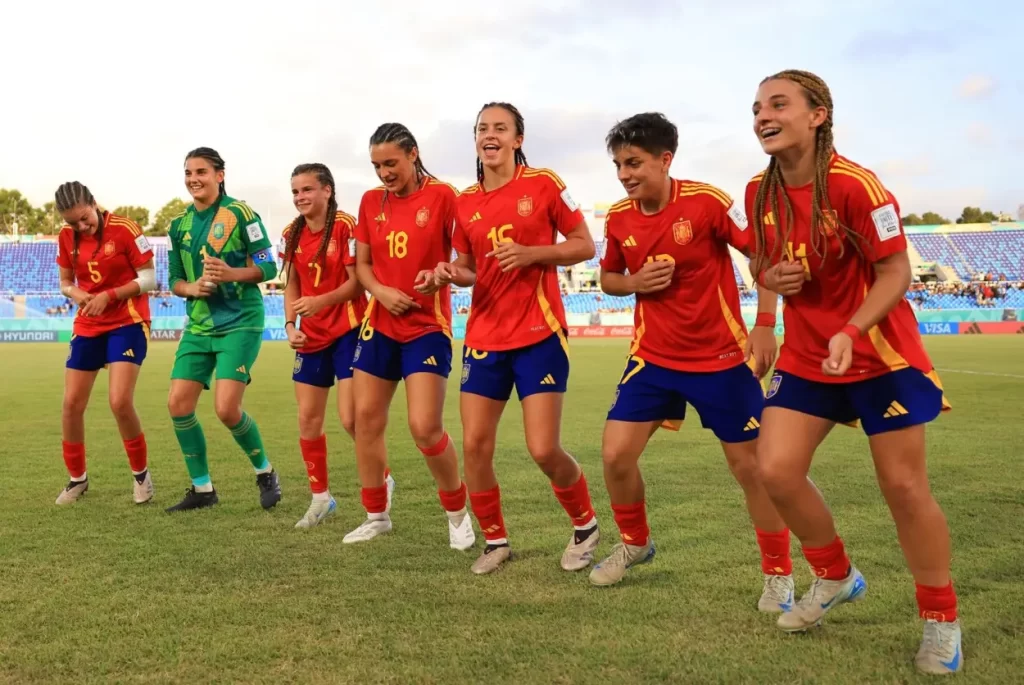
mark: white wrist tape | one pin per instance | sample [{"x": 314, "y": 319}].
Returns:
[{"x": 146, "y": 280}]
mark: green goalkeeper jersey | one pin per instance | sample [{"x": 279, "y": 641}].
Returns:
[{"x": 233, "y": 232}]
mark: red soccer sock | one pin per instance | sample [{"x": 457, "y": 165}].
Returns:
[
  {"x": 487, "y": 509},
  {"x": 74, "y": 459},
  {"x": 375, "y": 500},
  {"x": 387, "y": 472},
  {"x": 137, "y": 453},
  {"x": 314, "y": 454},
  {"x": 575, "y": 499},
  {"x": 632, "y": 522},
  {"x": 454, "y": 500},
  {"x": 936, "y": 603},
  {"x": 829, "y": 562},
  {"x": 775, "y": 559}
]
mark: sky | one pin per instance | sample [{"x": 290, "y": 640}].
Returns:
[{"x": 928, "y": 95}]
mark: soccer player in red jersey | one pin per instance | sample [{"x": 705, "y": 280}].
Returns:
[
  {"x": 404, "y": 230},
  {"x": 505, "y": 236},
  {"x": 106, "y": 267},
  {"x": 321, "y": 287},
  {"x": 828, "y": 237},
  {"x": 690, "y": 345}
]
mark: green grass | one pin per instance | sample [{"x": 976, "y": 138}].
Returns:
[{"x": 105, "y": 591}]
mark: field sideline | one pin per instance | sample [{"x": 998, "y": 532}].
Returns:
[{"x": 105, "y": 591}]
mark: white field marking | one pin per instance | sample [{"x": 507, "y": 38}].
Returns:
[{"x": 982, "y": 373}]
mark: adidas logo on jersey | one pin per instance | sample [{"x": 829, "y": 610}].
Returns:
[
  {"x": 380, "y": 218},
  {"x": 895, "y": 409},
  {"x": 240, "y": 369},
  {"x": 475, "y": 217},
  {"x": 629, "y": 242},
  {"x": 430, "y": 361},
  {"x": 752, "y": 425},
  {"x": 548, "y": 380},
  {"x": 129, "y": 353}
]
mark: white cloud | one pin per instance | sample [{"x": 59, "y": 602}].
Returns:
[
  {"x": 979, "y": 133},
  {"x": 976, "y": 87}
]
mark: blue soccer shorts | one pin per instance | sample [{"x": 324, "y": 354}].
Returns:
[
  {"x": 728, "y": 402},
  {"x": 125, "y": 344},
  {"x": 384, "y": 357},
  {"x": 322, "y": 367},
  {"x": 898, "y": 399},
  {"x": 537, "y": 368}
]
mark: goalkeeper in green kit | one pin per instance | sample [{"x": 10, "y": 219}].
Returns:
[{"x": 219, "y": 252}]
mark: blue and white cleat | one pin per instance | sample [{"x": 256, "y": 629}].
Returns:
[
  {"x": 822, "y": 597},
  {"x": 317, "y": 512},
  {"x": 941, "y": 651},
  {"x": 623, "y": 557},
  {"x": 777, "y": 595}
]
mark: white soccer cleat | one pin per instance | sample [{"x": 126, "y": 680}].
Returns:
[
  {"x": 777, "y": 595},
  {"x": 941, "y": 649},
  {"x": 72, "y": 492},
  {"x": 369, "y": 529},
  {"x": 461, "y": 536},
  {"x": 578, "y": 555},
  {"x": 142, "y": 492},
  {"x": 820, "y": 598},
  {"x": 623, "y": 557},
  {"x": 317, "y": 512},
  {"x": 390, "y": 482}
]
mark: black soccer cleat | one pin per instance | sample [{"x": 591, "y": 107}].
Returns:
[
  {"x": 270, "y": 489},
  {"x": 194, "y": 500}
]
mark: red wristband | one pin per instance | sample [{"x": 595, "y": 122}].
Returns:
[
  {"x": 760, "y": 279},
  {"x": 766, "y": 319},
  {"x": 112, "y": 294},
  {"x": 851, "y": 331}
]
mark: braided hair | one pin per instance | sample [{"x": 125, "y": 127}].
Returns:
[
  {"x": 73, "y": 194},
  {"x": 817, "y": 93},
  {"x": 324, "y": 178},
  {"x": 399, "y": 135},
  {"x": 216, "y": 161},
  {"x": 520, "y": 156}
]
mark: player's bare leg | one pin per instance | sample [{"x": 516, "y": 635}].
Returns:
[
  {"x": 312, "y": 404},
  {"x": 621, "y": 446},
  {"x": 77, "y": 389},
  {"x": 425, "y": 397},
  {"x": 785, "y": 448},
  {"x": 373, "y": 397},
  {"x": 480, "y": 417},
  {"x": 542, "y": 419},
  {"x": 227, "y": 403},
  {"x": 899, "y": 458},
  {"x": 123, "y": 377},
  {"x": 772, "y": 534},
  {"x": 346, "y": 406}
]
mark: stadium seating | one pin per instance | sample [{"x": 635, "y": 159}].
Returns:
[{"x": 999, "y": 252}]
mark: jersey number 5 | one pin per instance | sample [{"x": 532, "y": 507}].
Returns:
[
  {"x": 94, "y": 275},
  {"x": 398, "y": 244}
]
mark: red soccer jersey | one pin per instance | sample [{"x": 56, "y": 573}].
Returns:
[
  {"x": 835, "y": 287},
  {"x": 521, "y": 307},
  {"x": 318, "y": 277},
  {"x": 108, "y": 259},
  {"x": 406, "y": 235},
  {"x": 695, "y": 323}
]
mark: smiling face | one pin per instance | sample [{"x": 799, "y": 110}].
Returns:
[
  {"x": 640, "y": 172},
  {"x": 785, "y": 117},
  {"x": 83, "y": 218},
  {"x": 497, "y": 138},
  {"x": 309, "y": 196},
  {"x": 202, "y": 180},
  {"x": 395, "y": 167}
]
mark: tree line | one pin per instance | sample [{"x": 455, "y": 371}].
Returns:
[
  {"x": 970, "y": 215},
  {"x": 16, "y": 210}
]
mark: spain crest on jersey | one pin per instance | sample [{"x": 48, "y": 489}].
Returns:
[
  {"x": 332, "y": 248},
  {"x": 682, "y": 232},
  {"x": 109, "y": 248},
  {"x": 831, "y": 223},
  {"x": 525, "y": 206},
  {"x": 422, "y": 217}
]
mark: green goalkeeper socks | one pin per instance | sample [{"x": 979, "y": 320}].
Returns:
[
  {"x": 193, "y": 446},
  {"x": 247, "y": 435}
]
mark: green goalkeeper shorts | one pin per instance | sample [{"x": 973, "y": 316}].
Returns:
[{"x": 231, "y": 356}]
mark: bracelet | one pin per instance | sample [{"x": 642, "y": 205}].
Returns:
[
  {"x": 851, "y": 331},
  {"x": 766, "y": 319},
  {"x": 288, "y": 322}
]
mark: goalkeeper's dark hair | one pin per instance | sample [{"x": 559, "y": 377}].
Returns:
[
  {"x": 649, "y": 131},
  {"x": 400, "y": 135},
  {"x": 216, "y": 161},
  {"x": 325, "y": 178},
  {"x": 72, "y": 194},
  {"x": 520, "y": 123}
]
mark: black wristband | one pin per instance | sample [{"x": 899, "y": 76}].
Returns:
[{"x": 288, "y": 322}]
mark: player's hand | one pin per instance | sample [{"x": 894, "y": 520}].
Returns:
[
  {"x": 217, "y": 270},
  {"x": 96, "y": 305},
  {"x": 444, "y": 273},
  {"x": 308, "y": 306},
  {"x": 296, "y": 338},
  {"x": 395, "y": 301},
  {"x": 653, "y": 276},
  {"x": 82, "y": 298},
  {"x": 762, "y": 348},
  {"x": 512, "y": 255},
  {"x": 204, "y": 287},
  {"x": 426, "y": 282},
  {"x": 840, "y": 355},
  {"x": 786, "y": 278}
]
